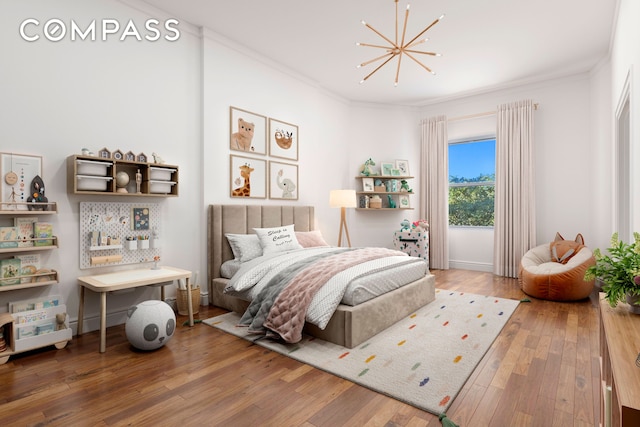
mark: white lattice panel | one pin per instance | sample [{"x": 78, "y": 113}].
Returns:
[{"x": 120, "y": 220}]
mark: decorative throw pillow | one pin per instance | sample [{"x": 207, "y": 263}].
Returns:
[
  {"x": 277, "y": 239},
  {"x": 245, "y": 247},
  {"x": 229, "y": 268},
  {"x": 309, "y": 239},
  {"x": 563, "y": 250}
]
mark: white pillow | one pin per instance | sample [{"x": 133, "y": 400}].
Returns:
[
  {"x": 229, "y": 268},
  {"x": 245, "y": 247},
  {"x": 277, "y": 239}
]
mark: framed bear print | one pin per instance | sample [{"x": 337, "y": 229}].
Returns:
[{"x": 248, "y": 131}]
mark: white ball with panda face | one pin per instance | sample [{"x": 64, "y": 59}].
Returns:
[{"x": 150, "y": 324}]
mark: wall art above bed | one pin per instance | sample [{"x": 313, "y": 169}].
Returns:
[
  {"x": 248, "y": 131},
  {"x": 248, "y": 177},
  {"x": 283, "y": 140},
  {"x": 283, "y": 181}
]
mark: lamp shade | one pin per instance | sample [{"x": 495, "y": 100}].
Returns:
[{"x": 342, "y": 198}]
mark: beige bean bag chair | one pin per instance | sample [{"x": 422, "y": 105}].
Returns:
[{"x": 555, "y": 271}]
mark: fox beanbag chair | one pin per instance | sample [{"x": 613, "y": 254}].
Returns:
[{"x": 555, "y": 271}]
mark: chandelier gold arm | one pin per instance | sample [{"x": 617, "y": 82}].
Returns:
[
  {"x": 377, "y": 68},
  {"x": 424, "y": 53},
  {"x": 380, "y": 34},
  {"x": 375, "y": 59},
  {"x": 420, "y": 63},
  {"x": 375, "y": 45},
  {"x": 425, "y": 30},
  {"x": 404, "y": 33}
]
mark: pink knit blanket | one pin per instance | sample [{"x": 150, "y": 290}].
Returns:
[{"x": 287, "y": 315}]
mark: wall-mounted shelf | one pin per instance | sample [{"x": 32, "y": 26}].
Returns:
[
  {"x": 25, "y": 208},
  {"x": 390, "y": 188},
  {"x": 42, "y": 279},
  {"x": 96, "y": 175}
]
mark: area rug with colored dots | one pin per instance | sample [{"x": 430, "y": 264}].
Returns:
[{"x": 423, "y": 360}]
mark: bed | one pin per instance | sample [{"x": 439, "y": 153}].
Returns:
[{"x": 349, "y": 325}]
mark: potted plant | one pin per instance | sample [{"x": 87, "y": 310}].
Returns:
[{"x": 619, "y": 270}]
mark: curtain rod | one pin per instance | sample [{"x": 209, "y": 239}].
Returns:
[{"x": 486, "y": 113}]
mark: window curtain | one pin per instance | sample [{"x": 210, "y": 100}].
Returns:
[
  {"x": 515, "y": 225},
  {"x": 434, "y": 185}
]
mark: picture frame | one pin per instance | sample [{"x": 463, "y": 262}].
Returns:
[
  {"x": 25, "y": 168},
  {"x": 395, "y": 172},
  {"x": 140, "y": 218},
  {"x": 386, "y": 168},
  {"x": 247, "y": 131},
  {"x": 247, "y": 177},
  {"x": 404, "y": 202},
  {"x": 403, "y": 167},
  {"x": 283, "y": 181},
  {"x": 367, "y": 185},
  {"x": 283, "y": 140}
]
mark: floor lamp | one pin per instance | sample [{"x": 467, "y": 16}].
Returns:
[{"x": 343, "y": 199}]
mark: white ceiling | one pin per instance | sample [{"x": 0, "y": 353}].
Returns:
[{"x": 485, "y": 45}]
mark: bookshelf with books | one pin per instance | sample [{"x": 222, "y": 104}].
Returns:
[
  {"x": 24, "y": 233},
  {"x": 26, "y": 236},
  {"x": 33, "y": 324}
]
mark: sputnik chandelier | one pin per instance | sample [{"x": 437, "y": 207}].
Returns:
[{"x": 399, "y": 49}]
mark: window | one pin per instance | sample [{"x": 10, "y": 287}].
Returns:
[{"x": 472, "y": 174}]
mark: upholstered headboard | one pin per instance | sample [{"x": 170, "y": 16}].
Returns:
[{"x": 241, "y": 219}]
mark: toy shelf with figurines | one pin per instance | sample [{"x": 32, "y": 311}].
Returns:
[
  {"x": 118, "y": 233},
  {"x": 384, "y": 193}
]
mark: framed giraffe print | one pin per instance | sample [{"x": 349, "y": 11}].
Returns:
[
  {"x": 283, "y": 181},
  {"x": 248, "y": 177}
]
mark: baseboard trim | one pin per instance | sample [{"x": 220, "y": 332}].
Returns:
[{"x": 470, "y": 265}]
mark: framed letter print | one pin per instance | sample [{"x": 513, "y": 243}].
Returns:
[
  {"x": 248, "y": 177},
  {"x": 283, "y": 140},
  {"x": 17, "y": 171},
  {"x": 386, "y": 169},
  {"x": 367, "y": 184},
  {"x": 248, "y": 132},
  {"x": 403, "y": 202},
  {"x": 283, "y": 181},
  {"x": 403, "y": 167}
]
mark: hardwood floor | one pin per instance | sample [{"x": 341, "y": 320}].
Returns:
[{"x": 542, "y": 370}]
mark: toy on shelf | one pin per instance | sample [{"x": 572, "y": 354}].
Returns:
[
  {"x": 37, "y": 196},
  {"x": 366, "y": 168},
  {"x": 420, "y": 225},
  {"x": 404, "y": 186}
]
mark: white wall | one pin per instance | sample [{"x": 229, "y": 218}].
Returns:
[
  {"x": 57, "y": 98},
  {"x": 383, "y": 134},
  {"x": 234, "y": 77},
  {"x": 625, "y": 57},
  {"x": 562, "y": 159}
]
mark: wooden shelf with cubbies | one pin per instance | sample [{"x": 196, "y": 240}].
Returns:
[{"x": 98, "y": 176}]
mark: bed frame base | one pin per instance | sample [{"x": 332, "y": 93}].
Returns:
[{"x": 350, "y": 326}]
